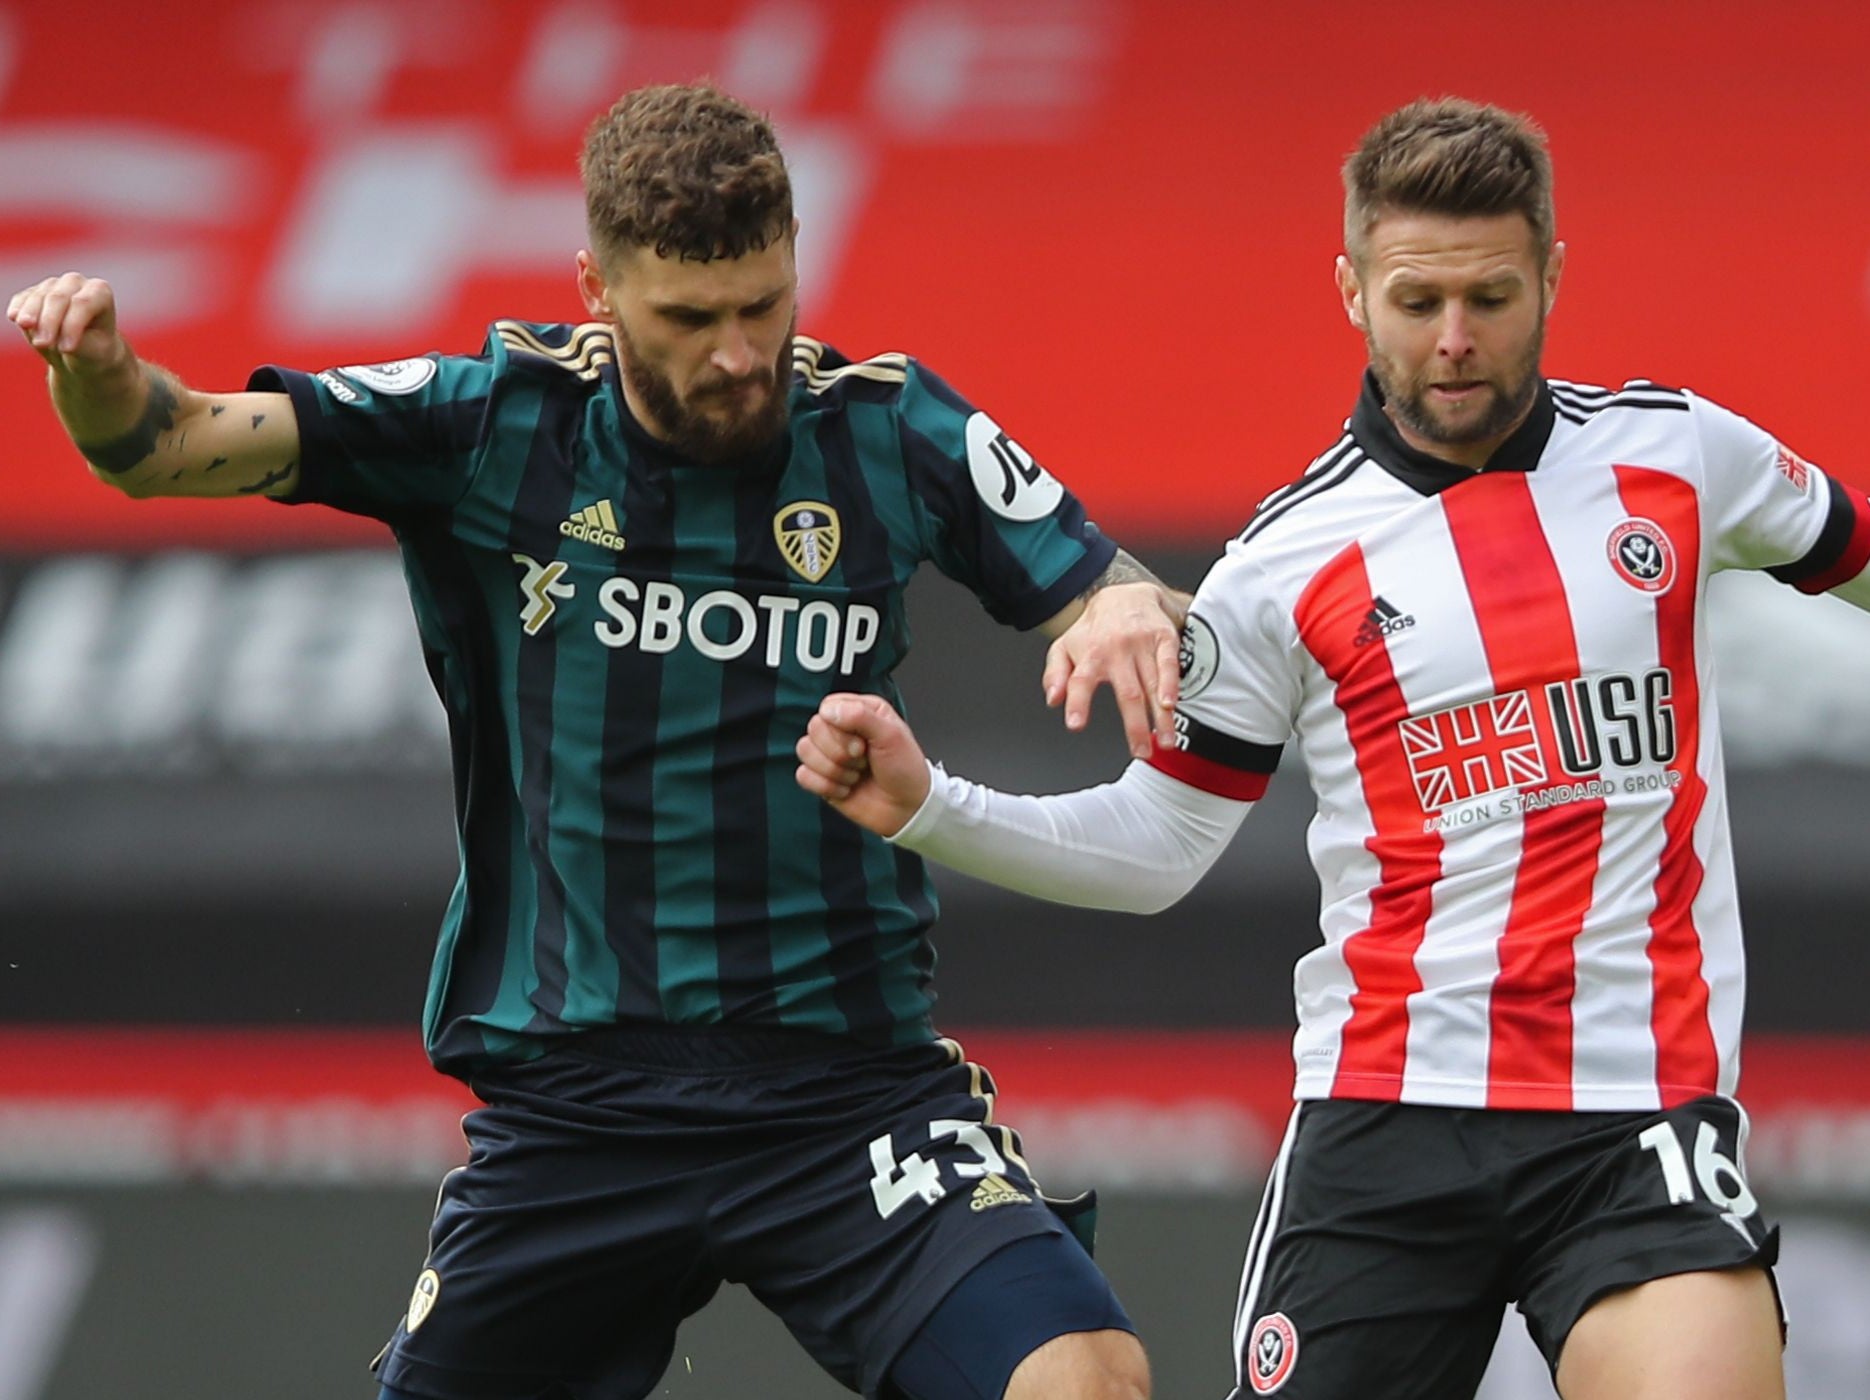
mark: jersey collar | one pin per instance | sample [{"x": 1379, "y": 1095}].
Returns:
[{"x": 1428, "y": 474}]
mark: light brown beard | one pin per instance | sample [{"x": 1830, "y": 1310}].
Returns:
[
  {"x": 1408, "y": 404},
  {"x": 699, "y": 436}
]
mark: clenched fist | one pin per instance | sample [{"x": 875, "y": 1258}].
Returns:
[
  {"x": 71, "y": 321},
  {"x": 860, "y": 756}
]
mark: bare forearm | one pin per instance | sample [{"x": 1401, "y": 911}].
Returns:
[
  {"x": 1122, "y": 569},
  {"x": 148, "y": 434},
  {"x": 141, "y": 429}
]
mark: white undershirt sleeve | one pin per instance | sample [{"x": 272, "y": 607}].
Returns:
[{"x": 1138, "y": 844}]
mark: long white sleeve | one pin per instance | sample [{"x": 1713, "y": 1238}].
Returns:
[{"x": 1138, "y": 844}]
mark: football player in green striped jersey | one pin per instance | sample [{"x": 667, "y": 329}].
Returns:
[{"x": 695, "y": 1002}]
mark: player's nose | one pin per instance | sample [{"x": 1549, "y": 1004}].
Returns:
[
  {"x": 1453, "y": 340},
  {"x": 733, "y": 353}
]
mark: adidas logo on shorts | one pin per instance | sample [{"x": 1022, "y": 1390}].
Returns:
[{"x": 996, "y": 1190}]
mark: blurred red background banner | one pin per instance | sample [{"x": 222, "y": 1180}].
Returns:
[
  {"x": 1110, "y": 224},
  {"x": 1182, "y": 1110}
]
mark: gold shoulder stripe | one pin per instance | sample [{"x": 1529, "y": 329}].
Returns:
[
  {"x": 867, "y": 369},
  {"x": 589, "y": 349},
  {"x": 807, "y": 354}
]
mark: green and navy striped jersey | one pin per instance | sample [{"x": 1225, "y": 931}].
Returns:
[{"x": 629, "y": 644}]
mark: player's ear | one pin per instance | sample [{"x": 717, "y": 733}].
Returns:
[
  {"x": 593, "y": 289},
  {"x": 1351, "y": 290},
  {"x": 1554, "y": 264}
]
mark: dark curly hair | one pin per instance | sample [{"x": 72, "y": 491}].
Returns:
[
  {"x": 687, "y": 171},
  {"x": 1449, "y": 156}
]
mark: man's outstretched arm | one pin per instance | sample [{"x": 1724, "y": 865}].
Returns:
[
  {"x": 1123, "y": 631},
  {"x": 141, "y": 429},
  {"x": 1138, "y": 844}
]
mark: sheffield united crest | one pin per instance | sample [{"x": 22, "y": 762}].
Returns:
[
  {"x": 808, "y": 535},
  {"x": 1640, "y": 552},
  {"x": 1272, "y": 1352}
]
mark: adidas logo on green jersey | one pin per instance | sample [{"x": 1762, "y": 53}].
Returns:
[{"x": 594, "y": 524}]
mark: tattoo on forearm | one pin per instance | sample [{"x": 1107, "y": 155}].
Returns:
[
  {"x": 258, "y": 419},
  {"x": 1122, "y": 569},
  {"x": 217, "y": 462},
  {"x": 270, "y": 479},
  {"x": 120, "y": 454},
  {"x": 216, "y": 410}
]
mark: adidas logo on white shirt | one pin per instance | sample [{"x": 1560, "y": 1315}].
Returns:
[{"x": 1383, "y": 620}]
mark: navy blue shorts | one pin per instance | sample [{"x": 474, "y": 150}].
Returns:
[
  {"x": 614, "y": 1184},
  {"x": 1392, "y": 1237}
]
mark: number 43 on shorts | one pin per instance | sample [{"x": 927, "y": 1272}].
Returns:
[{"x": 915, "y": 1177}]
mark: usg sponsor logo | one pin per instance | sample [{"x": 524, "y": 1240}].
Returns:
[{"x": 1537, "y": 745}]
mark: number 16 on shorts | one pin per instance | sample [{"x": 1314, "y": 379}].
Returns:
[
  {"x": 895, "y": 1183},
  {"x": 1717, "y": 1174}
]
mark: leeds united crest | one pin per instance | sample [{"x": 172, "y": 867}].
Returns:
[{"x": 808, "y": 535}]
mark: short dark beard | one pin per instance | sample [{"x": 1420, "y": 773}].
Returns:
[
  {"x": 1407, "y": 403},
  {"x": 697, "y": 436}
]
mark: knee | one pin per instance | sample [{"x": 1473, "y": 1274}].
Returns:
[{"x": 1104, "y": 1365}]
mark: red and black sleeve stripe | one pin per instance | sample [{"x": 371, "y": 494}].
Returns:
[
  {"x": 1215, "y": 762},
  {"x": 1842, "y": 549}
]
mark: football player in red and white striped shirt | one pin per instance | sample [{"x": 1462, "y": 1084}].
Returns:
[{"x": 1480, "y": 613}]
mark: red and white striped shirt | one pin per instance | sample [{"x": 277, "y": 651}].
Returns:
[{"x": 1501, "y": 686}]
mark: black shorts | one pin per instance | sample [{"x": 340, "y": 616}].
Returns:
[
  {"x": 1391, "y": 1237},
  {"x": 614, "y": 1184}
]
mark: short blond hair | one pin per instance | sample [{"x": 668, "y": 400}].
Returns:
[
  {"x": 687, "y": 171},
  {"x": 1449, "y": 156}
]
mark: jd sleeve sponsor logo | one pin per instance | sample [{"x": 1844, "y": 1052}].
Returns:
[{"x": 1006, "y": 476}]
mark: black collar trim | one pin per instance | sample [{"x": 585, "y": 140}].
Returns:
[{"x": 1427, "y": 474}]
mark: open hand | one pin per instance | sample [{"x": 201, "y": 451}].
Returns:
[{"x": 1125, "y": 638}]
